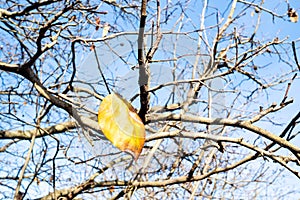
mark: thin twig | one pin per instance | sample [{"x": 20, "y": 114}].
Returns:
[
  {"x": 288, "y": 88},
  {"x": 25, "y": 165},
  {"x": 295, "y": 54},
  {"x": 98, "y": 63}
]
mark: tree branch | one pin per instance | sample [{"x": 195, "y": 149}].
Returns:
[
  {"x": 143, "y": 68},
  {"x": 40, "y": 132},
  {"x": 227, "y": 122}
]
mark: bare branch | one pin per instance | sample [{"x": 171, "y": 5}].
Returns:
[
  {"x": 143, "y": 68},
  {"x": 227, "y": 122},
  {"x": 40, "y": 132}
]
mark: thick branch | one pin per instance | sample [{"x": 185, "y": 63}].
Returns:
[
  {"x": 9, "y": 67},
  {"x": 33, "y": 6},
  {"x": 55, "y": 129},
  {"x": 82, "y": 121},
  {"x": 227, "y": 122},
  {"x": 143, "y": 68}
]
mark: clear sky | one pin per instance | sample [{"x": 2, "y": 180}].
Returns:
[
  {"x": 269, "y": 29},
  {"x": 124, "y": 80}
]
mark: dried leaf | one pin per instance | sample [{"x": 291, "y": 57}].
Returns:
[
  {"x": 257, "y": 9},
  {"x": 111, "y": 189},
  {"x": 97, "y": 23},
  {"x": 106, "y": 28},
  {"x": 292, "y": 15},
  {"x": 121, "y": 124},
  {"x": 92, "y": 48}
]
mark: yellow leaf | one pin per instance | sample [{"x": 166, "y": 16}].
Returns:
[{"x": 121, "y": 124}]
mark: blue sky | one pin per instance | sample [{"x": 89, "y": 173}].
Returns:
[
  {"x": 267, "y": 31},
  {"x": 126, "y": 79}
]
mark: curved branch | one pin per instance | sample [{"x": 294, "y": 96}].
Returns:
[
  {"x": 40, "y": 132},
  {"x": 82, "y": 121},
  {"x": 227, "y": 122},
  {"x": 33, "y": 6}
]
